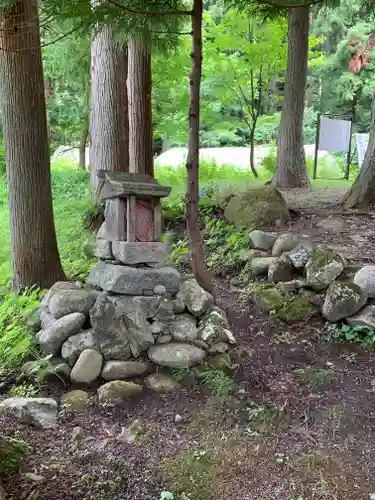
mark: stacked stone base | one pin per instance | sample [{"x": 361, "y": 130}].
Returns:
[{"x": 126, "y": 320}]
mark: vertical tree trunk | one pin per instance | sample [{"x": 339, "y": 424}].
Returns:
[
  {"x": 362, "y": 193},
  {"x": 252, "y": 151},
  {"x": 291, "y": 169},
  {"x": 35, "y": 257},
  {"x": 140, "y": 107},
  {"x": 109, "y": 140},
  {"x": 192, "y": 190},
  {"x": 82, "y": 144}
]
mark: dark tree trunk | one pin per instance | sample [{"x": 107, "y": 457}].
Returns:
[
  {"x": 35, "y": 257},
  {"x": 82, "y": 144},
  {"x": 291, "y": 169},
  {"x": 140, "y": 107},
  {"x": 192, "y": 190},
  {"x": 109, "y": 139},
  {"x": 362, "y": 193},
  {"x": 252, "y": 150}
]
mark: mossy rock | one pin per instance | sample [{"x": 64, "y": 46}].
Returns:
[
  {"x": 295, "y": 309},
  {"x": 323, "y": 267},
  {"x": 288, "y": 308},
  {"x": 257, "y": 208}
]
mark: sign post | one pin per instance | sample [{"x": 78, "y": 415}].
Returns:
[{"x": 333, "y": 134}]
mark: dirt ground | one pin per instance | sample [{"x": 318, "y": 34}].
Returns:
[{"x": 300, "y": 424}]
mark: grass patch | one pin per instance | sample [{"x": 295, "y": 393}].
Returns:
[{"x": 314, "y": 377}]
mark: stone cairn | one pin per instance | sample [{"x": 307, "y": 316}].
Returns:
[
  {"x": 303, "y": 278},
  {"x": 134, "y": 311}
]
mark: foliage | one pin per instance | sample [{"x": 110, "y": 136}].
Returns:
[
  {"x": 358, "y": 334},
  {"x": 224, "y": 244},
  {"x": 314, "y": 376},
  {"x": 24, "y": 390},
  {"x": 16, "y": 340},
  {"x": 216, "y": 381},
  {"x": 12, "y": 454}
]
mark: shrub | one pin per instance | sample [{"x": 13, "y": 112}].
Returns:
[
  {"x": 16, "y": 340},
  {"x": 12, "y": 454},
  {"x": 358, "y": 334}
]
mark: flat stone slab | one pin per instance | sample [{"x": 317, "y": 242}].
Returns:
[
  {"x": 139, "y": 252},
  {"x": 176, "y": 355},
  {"x": 133, "y": 281},
  {"x": 123, "y": 184}
]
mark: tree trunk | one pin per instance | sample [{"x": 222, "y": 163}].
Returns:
[
  {"x": 140, "y": 107},
  {"x": 252, "y": 150},
  {"x": 362, "y": 192},
  {"x": 109, "y": 139},
  {"x": 291, "y": 169},
  {"x": 82, "y": 144},
  {"x": 192, "y": 195},
  {"x": 35, "y": 257}
]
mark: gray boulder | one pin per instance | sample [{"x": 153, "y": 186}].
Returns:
[
  {"x": 280, "y": 270},
  {"x": 164, "y": 339},
  {"x": 65, "y": 302},
  {"x": 284, "y": 243},
  {"x": 117, "y": 392},
  {"x": 133, "y": 280},
  {"x": 103, "y": 249},
  {"x": 88, "y": 367},
  {"x": 138, "y": 329},
  {"x": 184, "y": 328},
  {"x": 46, "y": 318},
  {"x": 365, "y": 278},
  {"x": 162, "y": 383},
  {"x": 343, "y": 299},
  {"x": 58, "y": 287},
  {"x": 176, "y": 355},
  {"x": 261, "y": 240},
  {"x": 257, "y": 207},
  {"x": 75, "y": 400},
  {"x": 365, "y": 317},
  {"x": 72, "y": 348},
  {"x": 323, "y": 267},
  {"x": 290, "y": 286},
  {"x": 41, "y": 412},
  {"x": 51, "y": 339},
  {"x": 301, "y": 254},
  {"x": 110, "y": 329},
  {"x": 214, "y": 327},
  {"x": 259, "y": 266},
  {"x": 115, "y": 370},
  {"x": 196, "y": 299}
]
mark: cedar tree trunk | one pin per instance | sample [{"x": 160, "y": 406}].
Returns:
[
  {"x": 291, "y": 169},
  {"x": 140, "y": 107},
  {"x": 362, "y": 192},
  {"x": 192, "y": 196},
  {"x": 82, "y": 144},
  {"x": 109, "y": 139},
  {"x": 35, "y": 257}
]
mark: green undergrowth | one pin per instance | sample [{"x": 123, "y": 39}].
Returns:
[
  {"x": 16, "y": 339},
  {"x": 12, "y": 454},
  {"x": 362, "y": 335}
]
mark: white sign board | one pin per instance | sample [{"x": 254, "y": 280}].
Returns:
[
  {"x": 334, "y": 135},
  {"x": 362, "y": 143}
]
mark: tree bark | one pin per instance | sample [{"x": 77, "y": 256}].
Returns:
[
  {"x": 35, "y": 257},
  {"x": 362, "y": 192},
  {"x": 291, "y": 169},
  {"x": 252, "y": 150},
  {"x": 82, "y": 144},
  {"x": 192, "y": 190},
  {"x": 109, "y": 138},
  {"x": 140, "y": 107}
]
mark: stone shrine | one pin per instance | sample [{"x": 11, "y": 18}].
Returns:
[{"x": 134, "y": 311}]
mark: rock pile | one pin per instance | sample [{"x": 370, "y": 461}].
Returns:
[
  {"x": 124, "y": 319},
  {"x": 303, "y": 278}
]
